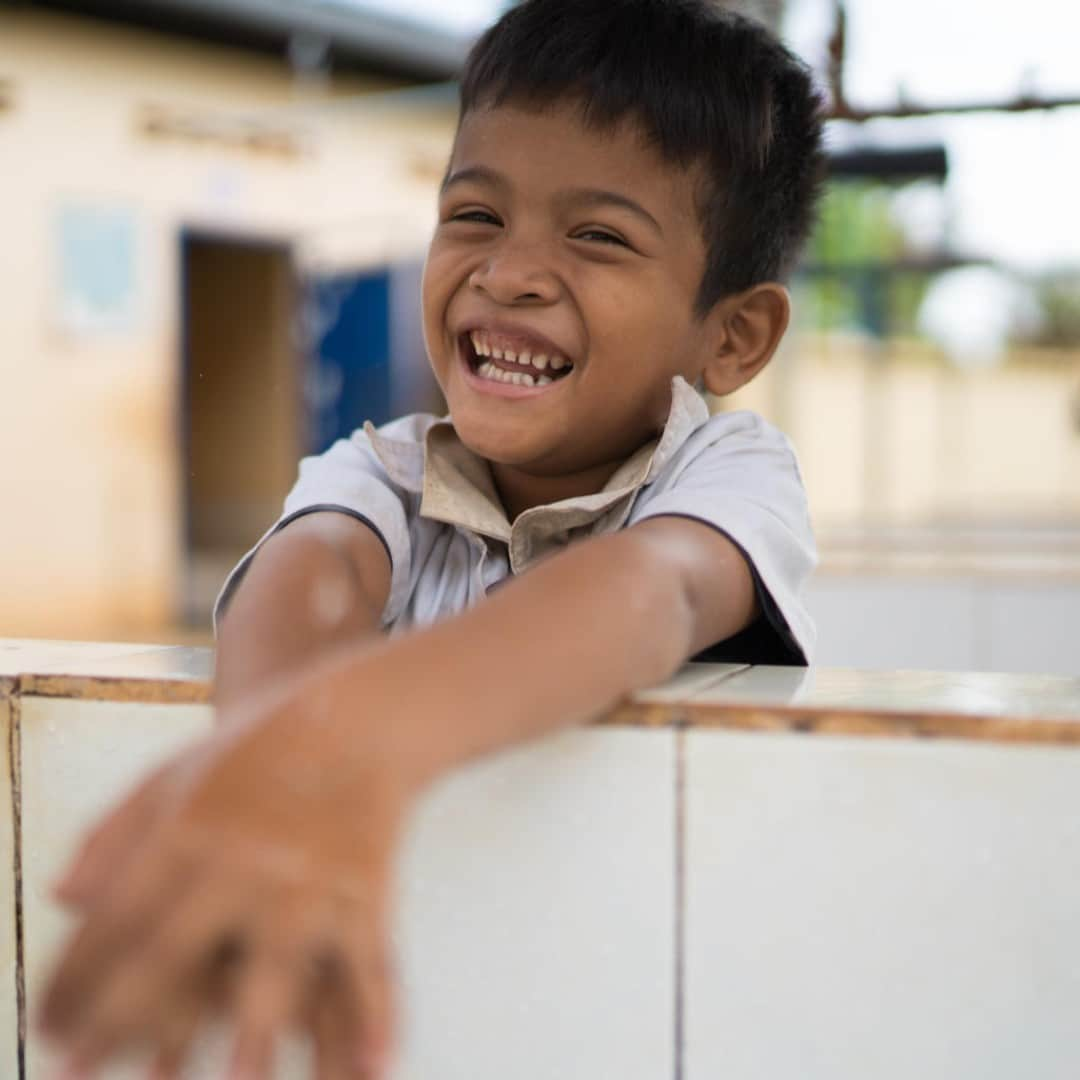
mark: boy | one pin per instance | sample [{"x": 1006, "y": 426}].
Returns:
[{"x": 630, "y": 181}]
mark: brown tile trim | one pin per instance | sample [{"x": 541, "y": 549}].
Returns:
[
  {"x": 733, "y": 716},
  {"x": 653, "y": 715},
  {"x": 105, "y": 688},
  {"x": 14, "y": 734},
  {"x": 790, "y": 718}
]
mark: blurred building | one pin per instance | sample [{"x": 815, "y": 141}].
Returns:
[
  {"x": 213, "y": 217},
  {"x": 206, "y": 212}
]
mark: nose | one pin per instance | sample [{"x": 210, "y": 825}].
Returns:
[{"x": 516, "y": 274}]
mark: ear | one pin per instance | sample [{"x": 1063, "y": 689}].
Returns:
[{"x": 746, "y": 329}]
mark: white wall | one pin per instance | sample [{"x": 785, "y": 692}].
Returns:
[{"x": 947, "y": 623}]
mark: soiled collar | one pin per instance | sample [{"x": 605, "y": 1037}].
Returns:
[{"x": 456, "y": 486}]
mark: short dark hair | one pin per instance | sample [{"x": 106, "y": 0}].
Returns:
[{"x": 706, "y": 85}]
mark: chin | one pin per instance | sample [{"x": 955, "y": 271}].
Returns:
[
  {"x": 502, "y": 451},
  {"x": 499, "y": 443}
]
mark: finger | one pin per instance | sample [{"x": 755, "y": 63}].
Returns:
[
  {"x": 177, "y": 1034},
  {"x": 271, "y": 990},
  {"x": 158, "y": 977},
  {"x": 332, "y": 1036},
  {"x": 369, "y": 999},
  {"x": 264, "y": 1009},
  {"x": 141, "y": 895},
  {"x": 107, "y": 846}
]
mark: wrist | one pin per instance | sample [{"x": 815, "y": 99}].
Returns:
[{"x": 360, "y": 716}]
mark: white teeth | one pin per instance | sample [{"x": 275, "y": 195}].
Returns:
[
  {"x": 538, "y": 362},
  {"x": 514, "y": 378}
]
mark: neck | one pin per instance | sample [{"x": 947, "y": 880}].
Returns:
[{"x": 520, "y": 491}]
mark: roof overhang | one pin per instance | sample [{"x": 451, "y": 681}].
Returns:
[{"x": 382, "y": 43}]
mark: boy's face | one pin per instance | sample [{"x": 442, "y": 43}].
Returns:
[{"x": 582, "y": 248}]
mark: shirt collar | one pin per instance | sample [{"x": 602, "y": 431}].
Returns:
[{"x": 456, "y": 486}]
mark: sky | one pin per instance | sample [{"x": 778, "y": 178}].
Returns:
[
  {"x": 1013, "y": 179},
  {"x": 465, "y": 16}
]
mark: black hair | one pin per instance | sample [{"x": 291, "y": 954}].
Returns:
[{"x": 705, "y": 85}]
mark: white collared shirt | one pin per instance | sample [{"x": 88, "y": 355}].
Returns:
[{"x": 433, "y": 504}]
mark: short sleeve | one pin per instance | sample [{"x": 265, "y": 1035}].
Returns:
[
  {"x": 739, "y": 475},
  {"x": 350, "y": 479}
]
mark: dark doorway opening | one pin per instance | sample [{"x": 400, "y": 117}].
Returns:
[{"x": 242, "y": 403}]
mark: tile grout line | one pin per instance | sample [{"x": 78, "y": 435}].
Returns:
[
  {"x": 680, "y": 895},
  {"x": 15, "y": 768}
]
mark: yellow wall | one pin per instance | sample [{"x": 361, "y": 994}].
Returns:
[
  {"x": 90, "y": 496},
  {"x": 90, "y": 485},
  {"x": 898, "y": 437}
]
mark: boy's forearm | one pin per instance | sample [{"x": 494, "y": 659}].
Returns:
[
  {"x": 547, "y": 650},
  {"x": 297, "y": 602}
]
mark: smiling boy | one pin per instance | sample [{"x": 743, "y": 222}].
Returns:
[{"x": 630, "y": 183}]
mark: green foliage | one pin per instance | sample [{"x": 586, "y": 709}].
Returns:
[
  {"x": 856, "y": 225},
  {"x": 1058, "y": 298},
  {"x": 850, "y": 251}
]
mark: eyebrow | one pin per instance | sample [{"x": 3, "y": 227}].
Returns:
[
  {"x": 477, "y": 173},
  {"x": 581, "y": 196},
  {"x": 600, "y": 197}
]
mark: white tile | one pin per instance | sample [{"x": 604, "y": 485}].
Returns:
[
  {"x": 760, "y": 685},
  {"x": 537, "y": 894},
  {"x": 9, "y": 1012},
  {"x": 22, "y": 655},
  {"x": 78, "y": 757},
  {"x": 686, "y": 682},
  {"x": 537, "y": 913},
  {"x": 880, "y": 908},
  {"x": 973, "y": 694}
]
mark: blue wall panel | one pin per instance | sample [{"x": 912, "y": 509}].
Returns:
[{"x": 349, "y": 374}]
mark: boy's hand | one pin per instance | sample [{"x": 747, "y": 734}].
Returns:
[{"x": 250, "y": 877}]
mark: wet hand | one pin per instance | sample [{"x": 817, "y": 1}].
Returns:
[{"x": 247, "y": 879}]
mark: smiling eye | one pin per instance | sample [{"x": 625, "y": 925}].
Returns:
[
  {"x": 478, "y": 217},
  {"x": 600, "y": 235}
]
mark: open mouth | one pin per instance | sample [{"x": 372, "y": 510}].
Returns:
[{"x": 498, "y": 361}]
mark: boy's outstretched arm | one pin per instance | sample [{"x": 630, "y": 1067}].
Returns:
[
  {"x": 261, "y": 886},
  {"x": 563, "y": 642}
]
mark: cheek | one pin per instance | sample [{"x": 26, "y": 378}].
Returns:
[
  {"x": 433, "y": 302},
  {"x": 429, "y": 287},
  {"x": 444, "y": 276}
]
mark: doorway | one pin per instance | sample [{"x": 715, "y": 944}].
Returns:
[{"x": 242, "y": 403}]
